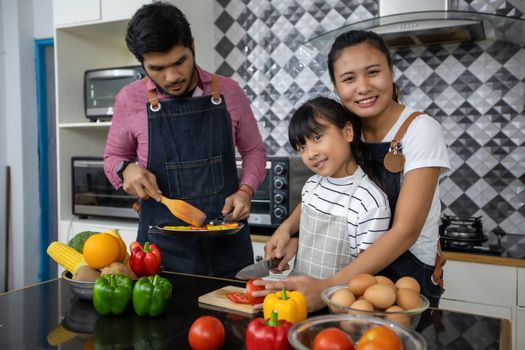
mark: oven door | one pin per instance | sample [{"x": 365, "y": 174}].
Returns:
[
  {"x": 262, "y": 199},
  {"x": 94, "y": 195}
]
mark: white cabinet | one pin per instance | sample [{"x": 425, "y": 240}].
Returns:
[
  {"x": 521, "y": 288},
  {"x": 486, "y": 289},
  {"x": 75, "y": 11},
  {"x": 71, "y": 12},
  {"x": 480, "y": 283}
]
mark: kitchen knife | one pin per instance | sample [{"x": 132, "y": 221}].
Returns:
[{"x": 258, "y": 270}]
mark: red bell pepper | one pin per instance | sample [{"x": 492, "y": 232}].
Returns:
[
  {"x": 144, "y": 261},
  {"x": 269, "y": 335}
]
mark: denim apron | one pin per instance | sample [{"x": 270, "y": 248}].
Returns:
[
  {"x": 407, "y": 264},
  {"x": 324, "y": 242},
  {"x": 191, "y": 153}
]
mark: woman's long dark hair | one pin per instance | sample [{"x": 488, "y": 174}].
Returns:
[
  {"x": 355, "y": 37},
  {"x": 305, "y": 123}
]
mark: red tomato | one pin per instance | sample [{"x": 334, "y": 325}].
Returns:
[
  {"x": 332, "y": 339},
  {"x": 379, "y": 337},
  {"x": 206, "y": 333},
  {"x": 250, "y": 288},
  {"x": 238, "y": 297}
]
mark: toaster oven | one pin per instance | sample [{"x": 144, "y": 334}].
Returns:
[
  {"x": 280, "y": 191},
  {"x": 101, "y": 86}
]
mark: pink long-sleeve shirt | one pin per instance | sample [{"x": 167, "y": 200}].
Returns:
[{"x": 128, "y": 134}]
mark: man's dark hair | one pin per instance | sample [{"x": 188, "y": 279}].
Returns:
[{"x": 157, "y": 27}]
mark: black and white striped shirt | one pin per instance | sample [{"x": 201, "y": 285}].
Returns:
[{"x": 368, "y": 213}]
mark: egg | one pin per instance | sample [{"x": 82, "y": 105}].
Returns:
[
  {"x": 385, "y": 280},
  {"x": 343, "y": 297},
  {"x": 362, "y": 304},
  {"x": 400, "y": 318},
  {"x": 380, "y": 295},
  {"x": 359, "y": 283},
  {"x": 408, "y": 283},
  {"x": 408, "y": 299}
]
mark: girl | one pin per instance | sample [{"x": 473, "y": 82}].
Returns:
[
  {"x": 362, "y": 73},
  {"x": 342, "y": 211}
]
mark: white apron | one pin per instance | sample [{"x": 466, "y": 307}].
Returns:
[{"x": 324, "y": 243}]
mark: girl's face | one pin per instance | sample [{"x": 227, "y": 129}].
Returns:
[
  {"x": 328, "y": 152},
  {"x": 364, "y": 81}
]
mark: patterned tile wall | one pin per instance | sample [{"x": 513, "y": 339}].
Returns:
[{"x": 476, "y": 91}]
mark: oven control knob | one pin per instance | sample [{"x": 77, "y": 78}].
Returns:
[
  {"x": 279, "y": 183},
  {"x": 279, "y": 169},
  {"x": 279, "y": 212},
  {"x": 278, "y": 198}
]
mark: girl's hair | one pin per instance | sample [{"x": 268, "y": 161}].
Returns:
[
  {"x": 157, "y": 27},
  {"x": 355, "y": 37},
  {"x": 305, "y": 123}
]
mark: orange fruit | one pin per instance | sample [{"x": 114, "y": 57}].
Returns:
[{"x": 102, "y": 249}]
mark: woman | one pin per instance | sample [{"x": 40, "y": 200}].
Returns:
[{"x": 362, "y": 73}]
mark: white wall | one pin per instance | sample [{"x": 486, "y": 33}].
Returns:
[{"x": 18, "y": 134}]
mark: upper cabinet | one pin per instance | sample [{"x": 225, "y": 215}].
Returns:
[{"x": 72, "y": 12}]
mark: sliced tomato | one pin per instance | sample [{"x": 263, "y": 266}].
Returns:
[
  {"x": 250, "y": 288},
  {"x": 238, "y": 297}
]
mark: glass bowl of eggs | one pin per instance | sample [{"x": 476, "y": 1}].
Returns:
[
  {"x": 377, "y": 296},
  {"x": 352, "y": 331}
]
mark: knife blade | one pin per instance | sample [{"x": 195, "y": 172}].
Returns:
[{"x": 258, "y": 270}]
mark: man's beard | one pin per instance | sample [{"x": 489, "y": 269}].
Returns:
[{"x": 188, "y": 92}]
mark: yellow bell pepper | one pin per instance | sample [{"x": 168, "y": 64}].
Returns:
[{"x": 290, "y": 306}]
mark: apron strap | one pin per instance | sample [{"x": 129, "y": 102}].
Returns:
[
  {"x": 215, "y": 91},
  {"x": 152, "y": 97},
  {"x": 394, "y": 144}
]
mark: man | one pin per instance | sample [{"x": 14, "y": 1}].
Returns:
[{"x": 175, "y": 133}]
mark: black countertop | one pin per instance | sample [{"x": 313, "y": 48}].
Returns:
[{"x": 48, "y": 316}]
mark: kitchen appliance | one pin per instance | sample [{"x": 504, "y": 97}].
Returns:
[
  {"x": 94, "y": 195},
  {"x": 280, "y": 191},
  {"x": 426, "y": 22},
  {"x": 101, "y": 87},
  {"x": 465, "y": 234}
]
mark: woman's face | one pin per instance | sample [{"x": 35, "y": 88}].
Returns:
[{"x": 364, "y": 81}]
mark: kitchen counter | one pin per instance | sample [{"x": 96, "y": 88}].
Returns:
[
  {"x": 513, "y": 254},
  {"x": 48, "y": 316}
]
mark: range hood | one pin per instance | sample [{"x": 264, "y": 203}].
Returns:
[{"x": 427, "y": 22}]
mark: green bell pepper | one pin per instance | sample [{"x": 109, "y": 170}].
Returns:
[
  {"x": 111, "y": 294},
  {"x": 151, "y": 295}
]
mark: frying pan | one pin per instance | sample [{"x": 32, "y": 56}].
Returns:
[{"x": 199, "y": 232}]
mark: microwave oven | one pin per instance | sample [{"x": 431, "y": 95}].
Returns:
[
  {"x": 101, "y": 87},
  {"x": 94, "y": 195},
  {"x": 280, "y": 191}
]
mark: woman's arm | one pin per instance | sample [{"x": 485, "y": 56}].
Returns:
[{"x": 412, "y": 209}]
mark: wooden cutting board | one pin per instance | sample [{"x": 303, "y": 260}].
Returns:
[{"x": 219, "y": 301}]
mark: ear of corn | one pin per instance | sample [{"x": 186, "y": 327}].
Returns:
[
  {"x": 59, "y": 335},
  {"x": 66, "y": 256}
]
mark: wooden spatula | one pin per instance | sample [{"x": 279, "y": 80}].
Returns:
[{"x": 183, "y": 210}]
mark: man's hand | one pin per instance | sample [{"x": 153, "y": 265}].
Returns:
[
  {"x": 237, "y": 206},
  {"x": 140, "y": 182}
]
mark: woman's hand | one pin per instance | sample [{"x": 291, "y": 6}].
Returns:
[{"x": 310, "y": 287}]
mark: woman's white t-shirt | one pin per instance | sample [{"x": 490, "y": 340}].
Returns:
[{"x": 423, "y": 145}]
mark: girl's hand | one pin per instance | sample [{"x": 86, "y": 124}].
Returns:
[
  {"x": 261, "y": 293},
  {"x": 282, "y": 247},
  {"x": 310, "y": 287}
]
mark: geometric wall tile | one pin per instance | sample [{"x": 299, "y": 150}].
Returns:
[{"x": 475, "y": 90}]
